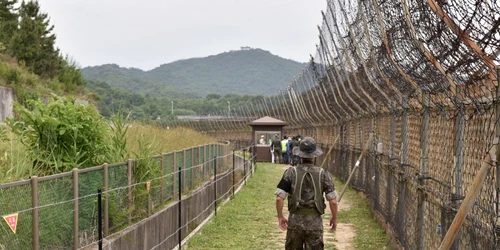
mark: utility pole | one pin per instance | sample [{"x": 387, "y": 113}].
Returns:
[
  {"x": 172, "y": 107},
  {"x": 228, "y": 108}
]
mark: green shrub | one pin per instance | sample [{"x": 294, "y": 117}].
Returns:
[
  {"x": 60, "y": 135},
  {"x": 13, "y": 75}
]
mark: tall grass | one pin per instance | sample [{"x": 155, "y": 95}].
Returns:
[
  {"x": 16, "y": 163},
  {"x": 15, "y": 160},
  {"x": 168, "y": 139}
]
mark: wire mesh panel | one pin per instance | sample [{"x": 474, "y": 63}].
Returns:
[
  {"x": 483, "y": 215},
  {"x": 384, "y": 195},
  {"x": 188, "y": 172},
  {"x": 16, "y": 199},
  {"x": 55, "y": 214},
  {"x": 168, "y": 176},
  {"x": 433, "y": 221},
  {"x": 117, "y": 195},
  {"x": 154, "y": 184},
  {"x": 88, "y": 184},
  {"x": 179, "y": 158}
]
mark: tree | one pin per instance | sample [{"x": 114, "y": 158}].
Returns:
[
  {"x": 34, "y": 42},
  {"x": 69, "y": 73},
  {"x": 8, "y": 21},
  {"x": 213, "y": 96}
]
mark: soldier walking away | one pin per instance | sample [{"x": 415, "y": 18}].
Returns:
[
  {"x": 276, "y": 149},
  {"x": 305, "y": 185}
]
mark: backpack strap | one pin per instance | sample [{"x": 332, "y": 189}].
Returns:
[{"x": 296, "y": 197}]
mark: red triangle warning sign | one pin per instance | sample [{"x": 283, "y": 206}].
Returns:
[{"x": 11, "y": 220}]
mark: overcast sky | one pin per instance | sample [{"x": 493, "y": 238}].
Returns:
[{"x": 147, "y": 33}]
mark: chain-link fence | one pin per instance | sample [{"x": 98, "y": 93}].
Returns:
[
  {"x": 422, "y": 77},
  {"x": 420, "y": 204}
]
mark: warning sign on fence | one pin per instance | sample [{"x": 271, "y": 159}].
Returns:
[{"x": 11, "y": 220}]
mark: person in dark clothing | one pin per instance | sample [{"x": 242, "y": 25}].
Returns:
[
  {"x": 276, "y": 147},
  {"x": 294, "y": 143}
]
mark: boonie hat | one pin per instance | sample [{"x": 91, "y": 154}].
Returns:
[{"x": 307, "y": 148}]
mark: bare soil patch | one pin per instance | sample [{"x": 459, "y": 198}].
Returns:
[{"x": 343, "y": 237}]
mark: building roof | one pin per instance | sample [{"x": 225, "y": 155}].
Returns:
[{"x": 266, "y": 120}]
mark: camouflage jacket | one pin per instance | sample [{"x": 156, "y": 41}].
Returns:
[{"x": 287, "y": 187}]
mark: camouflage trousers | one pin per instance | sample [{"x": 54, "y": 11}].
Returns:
[{"x": 298, "y": 239}]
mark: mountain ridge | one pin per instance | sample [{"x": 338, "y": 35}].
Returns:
[{"x": 252, "y": 72}]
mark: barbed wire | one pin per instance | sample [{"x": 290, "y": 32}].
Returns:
[{"x": 425, "y": 73}]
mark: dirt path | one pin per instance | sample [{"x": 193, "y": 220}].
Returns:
[{"x": 341, "y": 239}]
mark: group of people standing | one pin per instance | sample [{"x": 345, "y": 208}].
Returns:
[{"x": 282, "y": 150}]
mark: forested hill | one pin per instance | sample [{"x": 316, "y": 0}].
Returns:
[{"x": 251, "y": 72}]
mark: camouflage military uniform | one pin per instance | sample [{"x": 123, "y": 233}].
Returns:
[{"x": 305, "y": 227}]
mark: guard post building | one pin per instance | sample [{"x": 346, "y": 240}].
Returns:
[{"x": 263, "y": 131}]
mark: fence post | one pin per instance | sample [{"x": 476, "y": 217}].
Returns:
[
  {"x": 192, "y": 169},
  {"x": 349, "y": 154},
  {"x": 184, "y": 182},
  {"x": 362, "y": 166},
  {"x": 254, "y": 158},
  {"x": 99, "y": 218},
  {"x": 392, "y": 156},
  {"x": 204, "y": 162},
  {"x": 234, "y": 183},
  {"x": 34, "y": 213},
  {"x": 423, "y": 173},
  {"x": 175, "y": 183},
  {"x": 199, "y": 164},
  {"x": 129, "y": 174},
  {"x": 377, "y": 165},
  {"x": 497, "y": 167},
  {"x": 179, "y": 211},
  {"x": 402, "y": 185},
  {"x": 76, "y": 242},
  {"x": 342, "y": 153},
  {"x": 162, "y": 180},
  {"x": 215, "y": 185},
  {"x": 456, "y": 192},
  {"x": 355, "y": 182},
  {"x": 106, "y": 200},
  {"x": 245, "y": 165}
]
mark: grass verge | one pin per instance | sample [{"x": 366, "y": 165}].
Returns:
[
  {"x": 369, "y": 232},
  {"x": 249, "y": 220}
]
